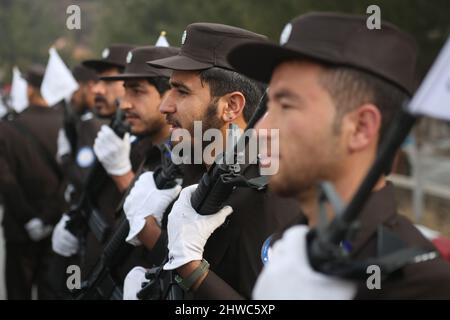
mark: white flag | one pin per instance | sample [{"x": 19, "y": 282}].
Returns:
[
  {"x": 19, "y": 97},
  {"x": 162, "y": 41},
  {"x": 3, "y": 109},
  {"x": 58, "y": 82},
  {"x": 433, "y": 96}
]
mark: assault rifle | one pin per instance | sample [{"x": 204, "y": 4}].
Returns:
[{"x": 101, "y": 283}]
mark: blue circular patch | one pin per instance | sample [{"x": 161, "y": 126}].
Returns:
[
  {"x": 85, "y": 157},
  {"x": 265, "y": 250}
]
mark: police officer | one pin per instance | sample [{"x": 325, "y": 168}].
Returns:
[
  {"x": 106, "y": 194},
  {"x": 206, "y": 88},
  {"x": 145, "y": 88},
  {"x": 83, "y": 127},
  {"x": 32, "y": 185},
  {"x": 76, "y": 157},
  {"x": 107, "y": 94},
  {"x": 333, "y": 96}
]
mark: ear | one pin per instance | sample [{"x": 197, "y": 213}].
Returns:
[
  {"x": 365, "y": 124},
  {"x": 232, "y": 106}
]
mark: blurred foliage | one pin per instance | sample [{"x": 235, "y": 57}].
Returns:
[{"x": 29, "y": 28}]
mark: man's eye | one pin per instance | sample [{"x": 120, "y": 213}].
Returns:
[
  {"x": 182, "y": 92},
  {"x": 285, "y": 106}
]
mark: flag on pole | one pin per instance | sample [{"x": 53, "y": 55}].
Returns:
[
  {"x": 58, "y": 82},
  {"x": 433, "y": 96},
  {"x": 3, "y": 109},
  {"x": 162, "y": 40},
  {"x": 19, "y": 97}
]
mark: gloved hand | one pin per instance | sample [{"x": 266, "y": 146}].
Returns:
[
  {"x": 289, "y": 276},
  {"x": 133, "y": 283},
  {"x": 113, "y": 152},
  {"x": 64, "y": 242},
  {"x": 37, "y": 230},
  {"x": 146, "y": 199},
  {"x": 63, "y": 145},
  {"x": 188, "y": 231}
]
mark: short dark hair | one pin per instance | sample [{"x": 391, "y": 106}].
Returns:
[
  {"x": 350, "y": 88},
  {"x": 222, "y": 81},
  {"x": 160, "y": 83}
]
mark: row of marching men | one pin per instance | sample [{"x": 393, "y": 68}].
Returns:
[{"x": 99, "y": 159}]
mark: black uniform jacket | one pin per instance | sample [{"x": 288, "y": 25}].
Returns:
[
  {"x": 29, "y": 183},
  {"x": 423, "y": 280}
]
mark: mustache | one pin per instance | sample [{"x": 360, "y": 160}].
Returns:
[
  {"x": 172, "y": 121},
  {"x": 99, "y": 98},
  {"x": 131, "y": 114}
]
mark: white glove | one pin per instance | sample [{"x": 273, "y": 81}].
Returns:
[
  {"x": 63, "y": 145},
  {"x": 113, "y": 152},
  {"x": 133, "y": 283},
  {"x": 64, "y": 242},
  {"x": 146, "y": 199},
  {"x": 289, "y": 276},
  {"x": 37, "y": 230},
  {"x": 188, "y": 231}
]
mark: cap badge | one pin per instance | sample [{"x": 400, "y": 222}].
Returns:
[
  {"x": 129, "y": 56},
  {"x": 286, "y": 34},
  {"x": 105, "y": 53},
  {"x": 183, "y": 37}
]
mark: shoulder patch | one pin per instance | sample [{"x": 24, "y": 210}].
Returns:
[{"x": 85, "y": 157}]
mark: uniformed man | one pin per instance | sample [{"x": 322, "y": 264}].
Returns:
[
  {"x": 145, "y": 89},
  {"x": 83, "y": 127},
  {"x": 33, "y": 186},
  {"x": 332, "y": 96},
  {"x": 113, "y": 152},
  {"x": 111, "y": 63},
  {"x": 206, "y": 88},
  {"x": 76, "y": 157},
  {"x": 83, "y": 100},
  {"x": 106, "y": 196}
]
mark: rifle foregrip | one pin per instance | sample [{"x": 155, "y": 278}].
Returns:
[
  {"x": 163, "y": 180},
  {"x": 210, "y": 195},
  {"x": 72, "y": 225},
  {"x": 117, "y": 240}
]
